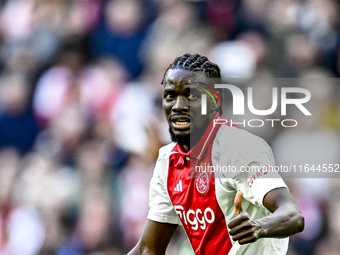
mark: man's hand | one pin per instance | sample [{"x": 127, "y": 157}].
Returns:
[{"x": 242, "y": 228}]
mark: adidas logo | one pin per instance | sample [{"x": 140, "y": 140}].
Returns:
[{"x": 179, "y": 186}]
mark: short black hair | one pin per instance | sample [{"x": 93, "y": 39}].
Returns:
[{"x": 198, "y": 63}]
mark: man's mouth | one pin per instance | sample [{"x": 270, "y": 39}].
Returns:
[{"x": 180, "y": 122}]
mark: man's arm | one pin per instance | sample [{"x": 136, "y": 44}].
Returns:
[
  {"x": 285, "y": 221},
  {"x": 155, "y": 238}
]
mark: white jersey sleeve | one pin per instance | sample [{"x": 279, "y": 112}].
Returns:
[
  {"x": 256, "y": 183},
  {"x": 250, "y": 157},
  {"x": 160, "y": 206}
]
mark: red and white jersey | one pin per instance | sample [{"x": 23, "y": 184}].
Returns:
[{"x": 203, "y": 203}]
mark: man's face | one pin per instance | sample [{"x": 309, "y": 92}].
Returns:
[{"x": 182, "y": 105}]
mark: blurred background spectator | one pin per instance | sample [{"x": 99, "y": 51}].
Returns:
[{"x": 81, "y": 120}]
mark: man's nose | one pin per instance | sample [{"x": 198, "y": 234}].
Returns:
[{"x": 181, "y": 104}]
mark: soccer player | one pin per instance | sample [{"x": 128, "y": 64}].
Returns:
[{"x": 239, "y": 212}]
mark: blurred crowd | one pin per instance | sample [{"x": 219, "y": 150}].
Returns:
[{"x": 81, "y": 119}]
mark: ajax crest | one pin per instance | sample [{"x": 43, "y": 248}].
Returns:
[{"x": 202, "y": 183}]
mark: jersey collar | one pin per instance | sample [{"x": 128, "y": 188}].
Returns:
[{"x": 199, "y": 149}]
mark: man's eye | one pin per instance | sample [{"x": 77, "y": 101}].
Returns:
[
  {"x": 168, "y": 97},
  {"x": 192, "y": 96}
]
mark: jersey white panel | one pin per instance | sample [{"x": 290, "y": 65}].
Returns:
[{"x": 161, "y": 208}]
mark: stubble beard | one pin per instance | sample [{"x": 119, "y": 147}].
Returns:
[
  {"x": 190, "y": 139},
  {"x": 180, "y": 139}
]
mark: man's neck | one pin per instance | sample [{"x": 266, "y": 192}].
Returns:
[
  {"x": 187, "y": 147},
  {"x": 189, "y": 142}
]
